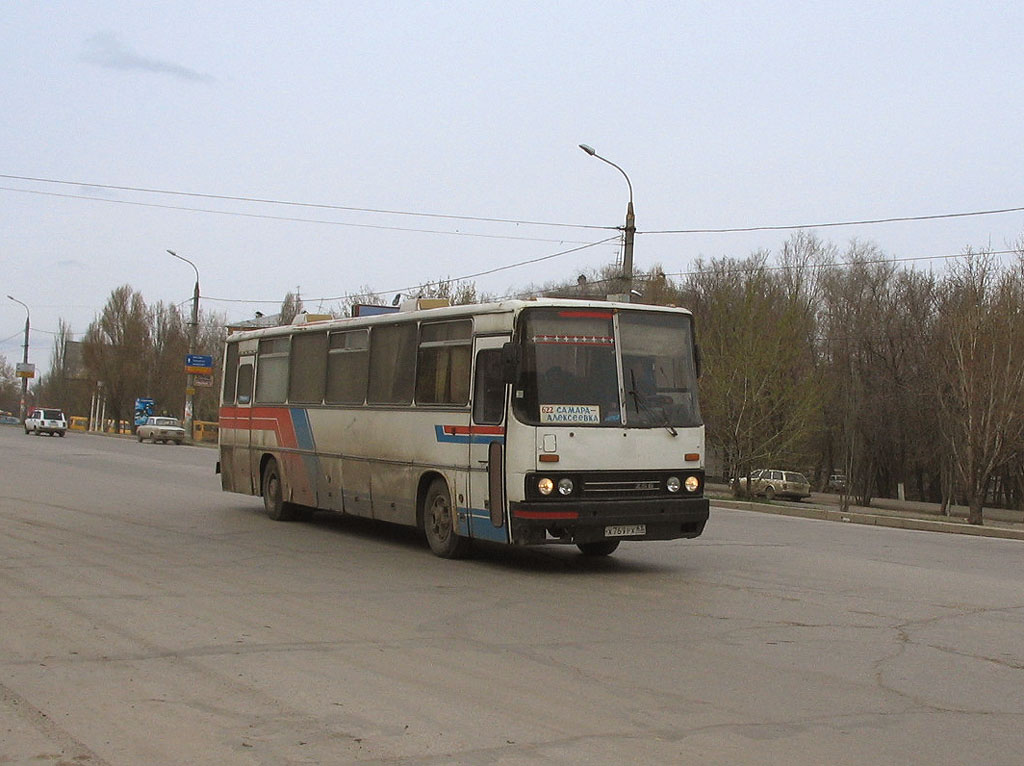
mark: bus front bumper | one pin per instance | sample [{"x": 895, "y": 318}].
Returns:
[{"x": 534, "y": 523}]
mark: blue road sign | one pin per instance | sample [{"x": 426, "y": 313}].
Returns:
[{"x": 198, "y": 360}]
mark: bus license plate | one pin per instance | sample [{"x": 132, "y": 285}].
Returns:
[{"x": 626, "y": 531}]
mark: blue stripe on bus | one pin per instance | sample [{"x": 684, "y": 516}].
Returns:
[
  {"x": 482, "y": 527},
  {"x": 303, "y": 430},
  {"x": 304, "y": 441}
]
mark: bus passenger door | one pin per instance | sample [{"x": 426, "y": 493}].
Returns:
[
  {"x": 486, "y": 503},
  {"x": 236, "y": 425}
]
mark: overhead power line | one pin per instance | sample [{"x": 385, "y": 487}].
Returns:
[
  {"x": 843, "y": 264},
  {"x": 285, "y": 218},
  {"x": 420, "y": 284},
  {"x": 779, "y": 267},
  {"x": 829, "y": 224},
  {"x": 454, "y": 217},
  {"x": 292, "y": 203}
]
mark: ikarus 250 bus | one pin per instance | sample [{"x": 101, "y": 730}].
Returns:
[{"x": 521, "y": 422}]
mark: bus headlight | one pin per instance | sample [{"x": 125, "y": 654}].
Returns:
[
  {"x": 565, "y": 487},
  {"x": 692, "y": 483},
  {"x": 545, "y": 486},
  {"x": 672, "y": 484}
]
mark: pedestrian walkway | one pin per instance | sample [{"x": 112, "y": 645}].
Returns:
[{"x": 884, "y": 512}]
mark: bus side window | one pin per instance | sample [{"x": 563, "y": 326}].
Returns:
[
  {"x": 245, "y": 383},
  {"x": 347, "y": 365},
  {"x": 272, "y": 379},
  {"x": 308, "y": 368},
  {"x": 230, "y": 373},
  {"x": 488, "y": 388},
  {"x": 442, "y": 369},
  {"x": 392, "y": 364}
]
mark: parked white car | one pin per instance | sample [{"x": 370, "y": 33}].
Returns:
[
  {"x": 159, "y": 429},
  {"x": 42, "y": 420}
]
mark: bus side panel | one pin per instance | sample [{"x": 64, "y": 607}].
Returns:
[
  {"x": 520, "y": 459},
  {"x": 235, "y": 464},
  {"x": 393, "y": 492},
  {"x": 329, "y": 484},
  {"x": 282, "y": 433},
  {"x": 301, "y": 468},
  {"x": 384, "y": 454},
  {"x": 355, "y": 488}
]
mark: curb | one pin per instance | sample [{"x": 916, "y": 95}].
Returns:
[{"x": 876, "y": 519}]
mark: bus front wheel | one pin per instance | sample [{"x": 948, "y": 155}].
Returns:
[
  {"x": 439, "y": 524},
  {"x": 600, "y": 548},
  {"x": 273, "y": 495}
]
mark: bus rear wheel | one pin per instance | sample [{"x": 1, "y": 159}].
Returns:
[
  {"x": 439, "y": 524},
  {"x": 273, "y": 495},
  {"x": 600, "y": 548}
]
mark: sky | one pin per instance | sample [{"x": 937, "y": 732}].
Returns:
[{"x": 336, "y": 147}]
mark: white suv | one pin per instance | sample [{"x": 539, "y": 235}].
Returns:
[{"x": 45, "y": 421}]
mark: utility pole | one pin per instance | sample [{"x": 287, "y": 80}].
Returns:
[
  {"x": 190, "y": 382},
  {"x": 24, "y": 359},
  {"x": 629, "y": 230}
]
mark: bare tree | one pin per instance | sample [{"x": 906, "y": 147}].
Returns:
[
  {"x": 456, "y": 292},
  {"x": 116, "y": 349},
  {"x": 761, "y": 390},
  {"x": 291, "y": 307},
  {"x": 56, "y": 386},
  {"x": 876, "y": 339},
  {"x": 981, "y": 385},
  {"x": 10, "y": 387},
  {"x": 210, "y": 341},
  {"x": 165, "y": 369}
]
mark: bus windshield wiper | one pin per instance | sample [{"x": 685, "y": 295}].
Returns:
[{"x": 641, "y": 403}]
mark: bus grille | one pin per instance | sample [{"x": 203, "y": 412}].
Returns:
[{"x": 607, "y": 488}]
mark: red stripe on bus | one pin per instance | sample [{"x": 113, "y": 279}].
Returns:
[
  {"x": 586, "y": 314},
  {"x": 546, "y": 514},
  {"x": 473, "y": 430},
  {"x": 276, "y": 419}
]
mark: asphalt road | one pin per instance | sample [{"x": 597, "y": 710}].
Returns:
[{"x": 148, "y": 618}]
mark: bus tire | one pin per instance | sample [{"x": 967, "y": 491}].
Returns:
[
  {"x": 439, "y": 523},
  {"x": 599, "y": 548},
  {"x": 273, "y": 494}
]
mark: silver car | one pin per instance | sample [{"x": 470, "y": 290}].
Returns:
[
  {"x": 772, "y": 483},
  {"x": 161, "y": 429}
]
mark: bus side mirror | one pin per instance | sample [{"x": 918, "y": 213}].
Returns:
[
  {"x": 696, "y": 359},
  {"x": 511, "y": 359}
]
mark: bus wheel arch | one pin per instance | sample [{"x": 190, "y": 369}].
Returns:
[
  {"x": 436, "y": 516},
  {"x": 272, "y": 489}
]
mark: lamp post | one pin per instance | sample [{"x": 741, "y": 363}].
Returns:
[
  {"x": 190, "y": 382},
  {"x": 630, "y": 228},
  {"x": 24, "y": 359}
]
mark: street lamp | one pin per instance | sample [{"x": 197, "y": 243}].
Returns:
[
  {"x": 24, "y": 359},
  {"x": 630, "y": 228},
  {"x": 190, "y": 382}
]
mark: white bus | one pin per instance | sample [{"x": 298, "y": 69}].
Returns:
[{"x": 520, "y": 422}]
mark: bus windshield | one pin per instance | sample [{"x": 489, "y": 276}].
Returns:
[{"x": 594, "y": 367}]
